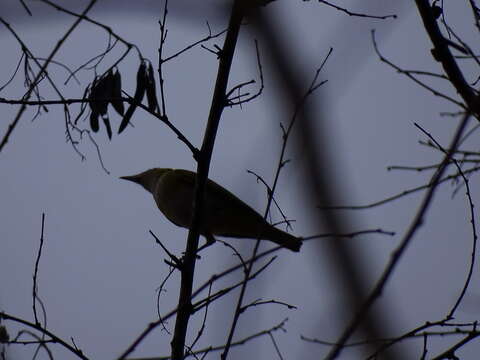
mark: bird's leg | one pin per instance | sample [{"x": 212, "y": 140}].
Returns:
[
  {"x": 176, "y": 264},
  {"x": 210, "y": 240}
]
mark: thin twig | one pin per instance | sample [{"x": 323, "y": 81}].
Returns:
[
  {"x": 399, "y": 195},
  {"x": 472, "y": 221},
  {"x": 42, "y": 71},
  {"x": 35, "y": 273},
  {"x": 409, "y": 74},
  {"x": 351, "y": 13},
  {"x": 416, "y": 223},
  {"x": 313, "y": 86},
  {"x": 55, "y": 338},
  {"x": 243, "y": 341}
]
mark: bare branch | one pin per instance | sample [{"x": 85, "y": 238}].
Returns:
[
  {"x": 351, "y": 13},
  {"x": 416, "y": 223}
]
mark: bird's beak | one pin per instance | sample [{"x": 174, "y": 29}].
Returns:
[{"x": 134, "y": 178}]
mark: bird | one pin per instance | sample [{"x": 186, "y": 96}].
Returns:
[{"x": 224, "y": 213}]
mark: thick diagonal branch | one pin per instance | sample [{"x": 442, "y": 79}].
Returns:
[
  {"x": 442, "y": 53},
  {"x": 216, "y": 109}
]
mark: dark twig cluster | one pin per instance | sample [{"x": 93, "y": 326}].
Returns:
[{"x": 452, "y": 155}]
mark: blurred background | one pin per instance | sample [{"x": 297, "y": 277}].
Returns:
[{"x": 100, "y": 269}]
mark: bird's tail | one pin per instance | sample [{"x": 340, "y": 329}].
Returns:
[{"x": 282, "y": 238}]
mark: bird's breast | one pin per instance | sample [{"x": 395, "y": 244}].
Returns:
[{"x": 174, "y": 201}]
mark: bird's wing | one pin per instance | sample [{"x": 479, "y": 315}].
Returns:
[{"x": 218, "y": 198}]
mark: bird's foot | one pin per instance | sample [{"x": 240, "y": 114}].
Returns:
[{"x": 210, "y": 240}]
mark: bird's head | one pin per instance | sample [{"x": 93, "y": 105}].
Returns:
[{"x": 147, "y": 178}]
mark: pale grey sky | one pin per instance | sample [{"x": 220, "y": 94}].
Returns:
[{"x": 100, "y": 267}]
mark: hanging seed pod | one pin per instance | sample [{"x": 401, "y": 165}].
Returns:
[
  {"x": 94, "y": 121},
  {"x": 100, "y": 91},
  {"x": 4, "y": 337},
  {"x": 137, "y": 98},
  {"x": 92, "y": 102},
  {"x": 94, "y": 106},
  {"x": 116, "y": 94},
  {"x": 99, "y": 94},
  {"x": 437, "y": 11},
  {"x": 106, "y": 88},
  {"x": 151, "y": 90},
  {"x": 106, "y": 121}
]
